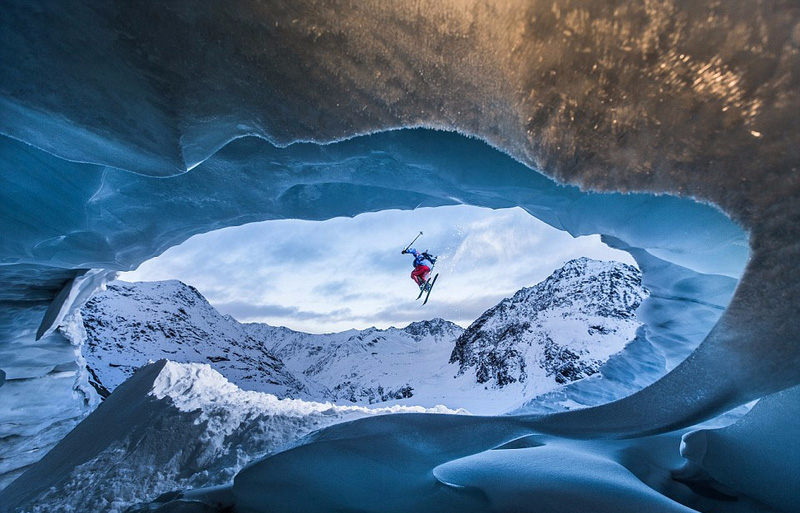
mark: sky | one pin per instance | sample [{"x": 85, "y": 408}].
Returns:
[{"x": 349, "y": 273}]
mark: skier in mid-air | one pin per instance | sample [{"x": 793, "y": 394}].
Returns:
[{"x": 421, "y": 270}]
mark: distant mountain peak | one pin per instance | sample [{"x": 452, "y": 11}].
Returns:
[{"x": 437, "y": 328}]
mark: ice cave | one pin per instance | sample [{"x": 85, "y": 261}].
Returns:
[{"x": 669, "y": 127}]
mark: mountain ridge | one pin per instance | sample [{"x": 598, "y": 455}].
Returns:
[{"x": 512, "y": 351}]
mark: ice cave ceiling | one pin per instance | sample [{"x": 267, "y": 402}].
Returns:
[{"x": 127, "y": 127}]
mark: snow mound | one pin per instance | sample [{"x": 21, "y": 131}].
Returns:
[
  {"x": 759, "y": 455},
  {"x": 170, "y": 426},
  {"x": 456, "y": 464}
]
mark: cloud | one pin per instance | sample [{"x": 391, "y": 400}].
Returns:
[
  {"x": 248, "y": 312},
  {"x": 460, "y": 311},
  {"x": 331, "y": 288},
  {"x": 244, "y": 312}
]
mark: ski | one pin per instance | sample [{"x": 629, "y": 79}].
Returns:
[
  {"x": 430, "y": 287},
  {"x": 422, "y": 290}
]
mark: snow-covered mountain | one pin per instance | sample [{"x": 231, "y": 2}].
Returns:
[
  {"x": 561, "y": 330},
  {"x": 556, "y": 332},
  {"x": 129, "y": 324},
  {"x": 371, "y": 365}
]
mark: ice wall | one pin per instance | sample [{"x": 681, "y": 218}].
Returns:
[{"x": 668, "y": 97}]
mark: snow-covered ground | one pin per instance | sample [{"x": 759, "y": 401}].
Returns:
[{"x": 182, "y": 436}]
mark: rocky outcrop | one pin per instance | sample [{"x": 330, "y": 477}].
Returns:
[{"x": 567, "y": 325}]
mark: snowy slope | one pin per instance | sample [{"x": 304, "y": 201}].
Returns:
[{"x": 548, "y": 335}]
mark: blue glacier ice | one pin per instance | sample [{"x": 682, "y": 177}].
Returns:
[{"x": 669, "y": 127}]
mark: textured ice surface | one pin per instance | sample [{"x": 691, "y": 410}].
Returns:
[
  {"x": 670, "y": 97},
  {"x": 44, "y": 391},
  {"x": 757, "y": 455}
]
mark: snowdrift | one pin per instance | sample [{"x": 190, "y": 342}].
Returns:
[{"x": 170, "y": 426}]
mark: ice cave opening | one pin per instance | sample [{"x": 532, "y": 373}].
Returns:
[
  {"x": 105, "y": 220},
  {"x": 667, "y": 127}
]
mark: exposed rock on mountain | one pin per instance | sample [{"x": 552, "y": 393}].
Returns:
[
  {"x": 567, "y": 326},
  {"x": 130, "y": 324}
]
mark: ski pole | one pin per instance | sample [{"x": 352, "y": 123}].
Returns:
[{"x": 412, "y": 242}]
